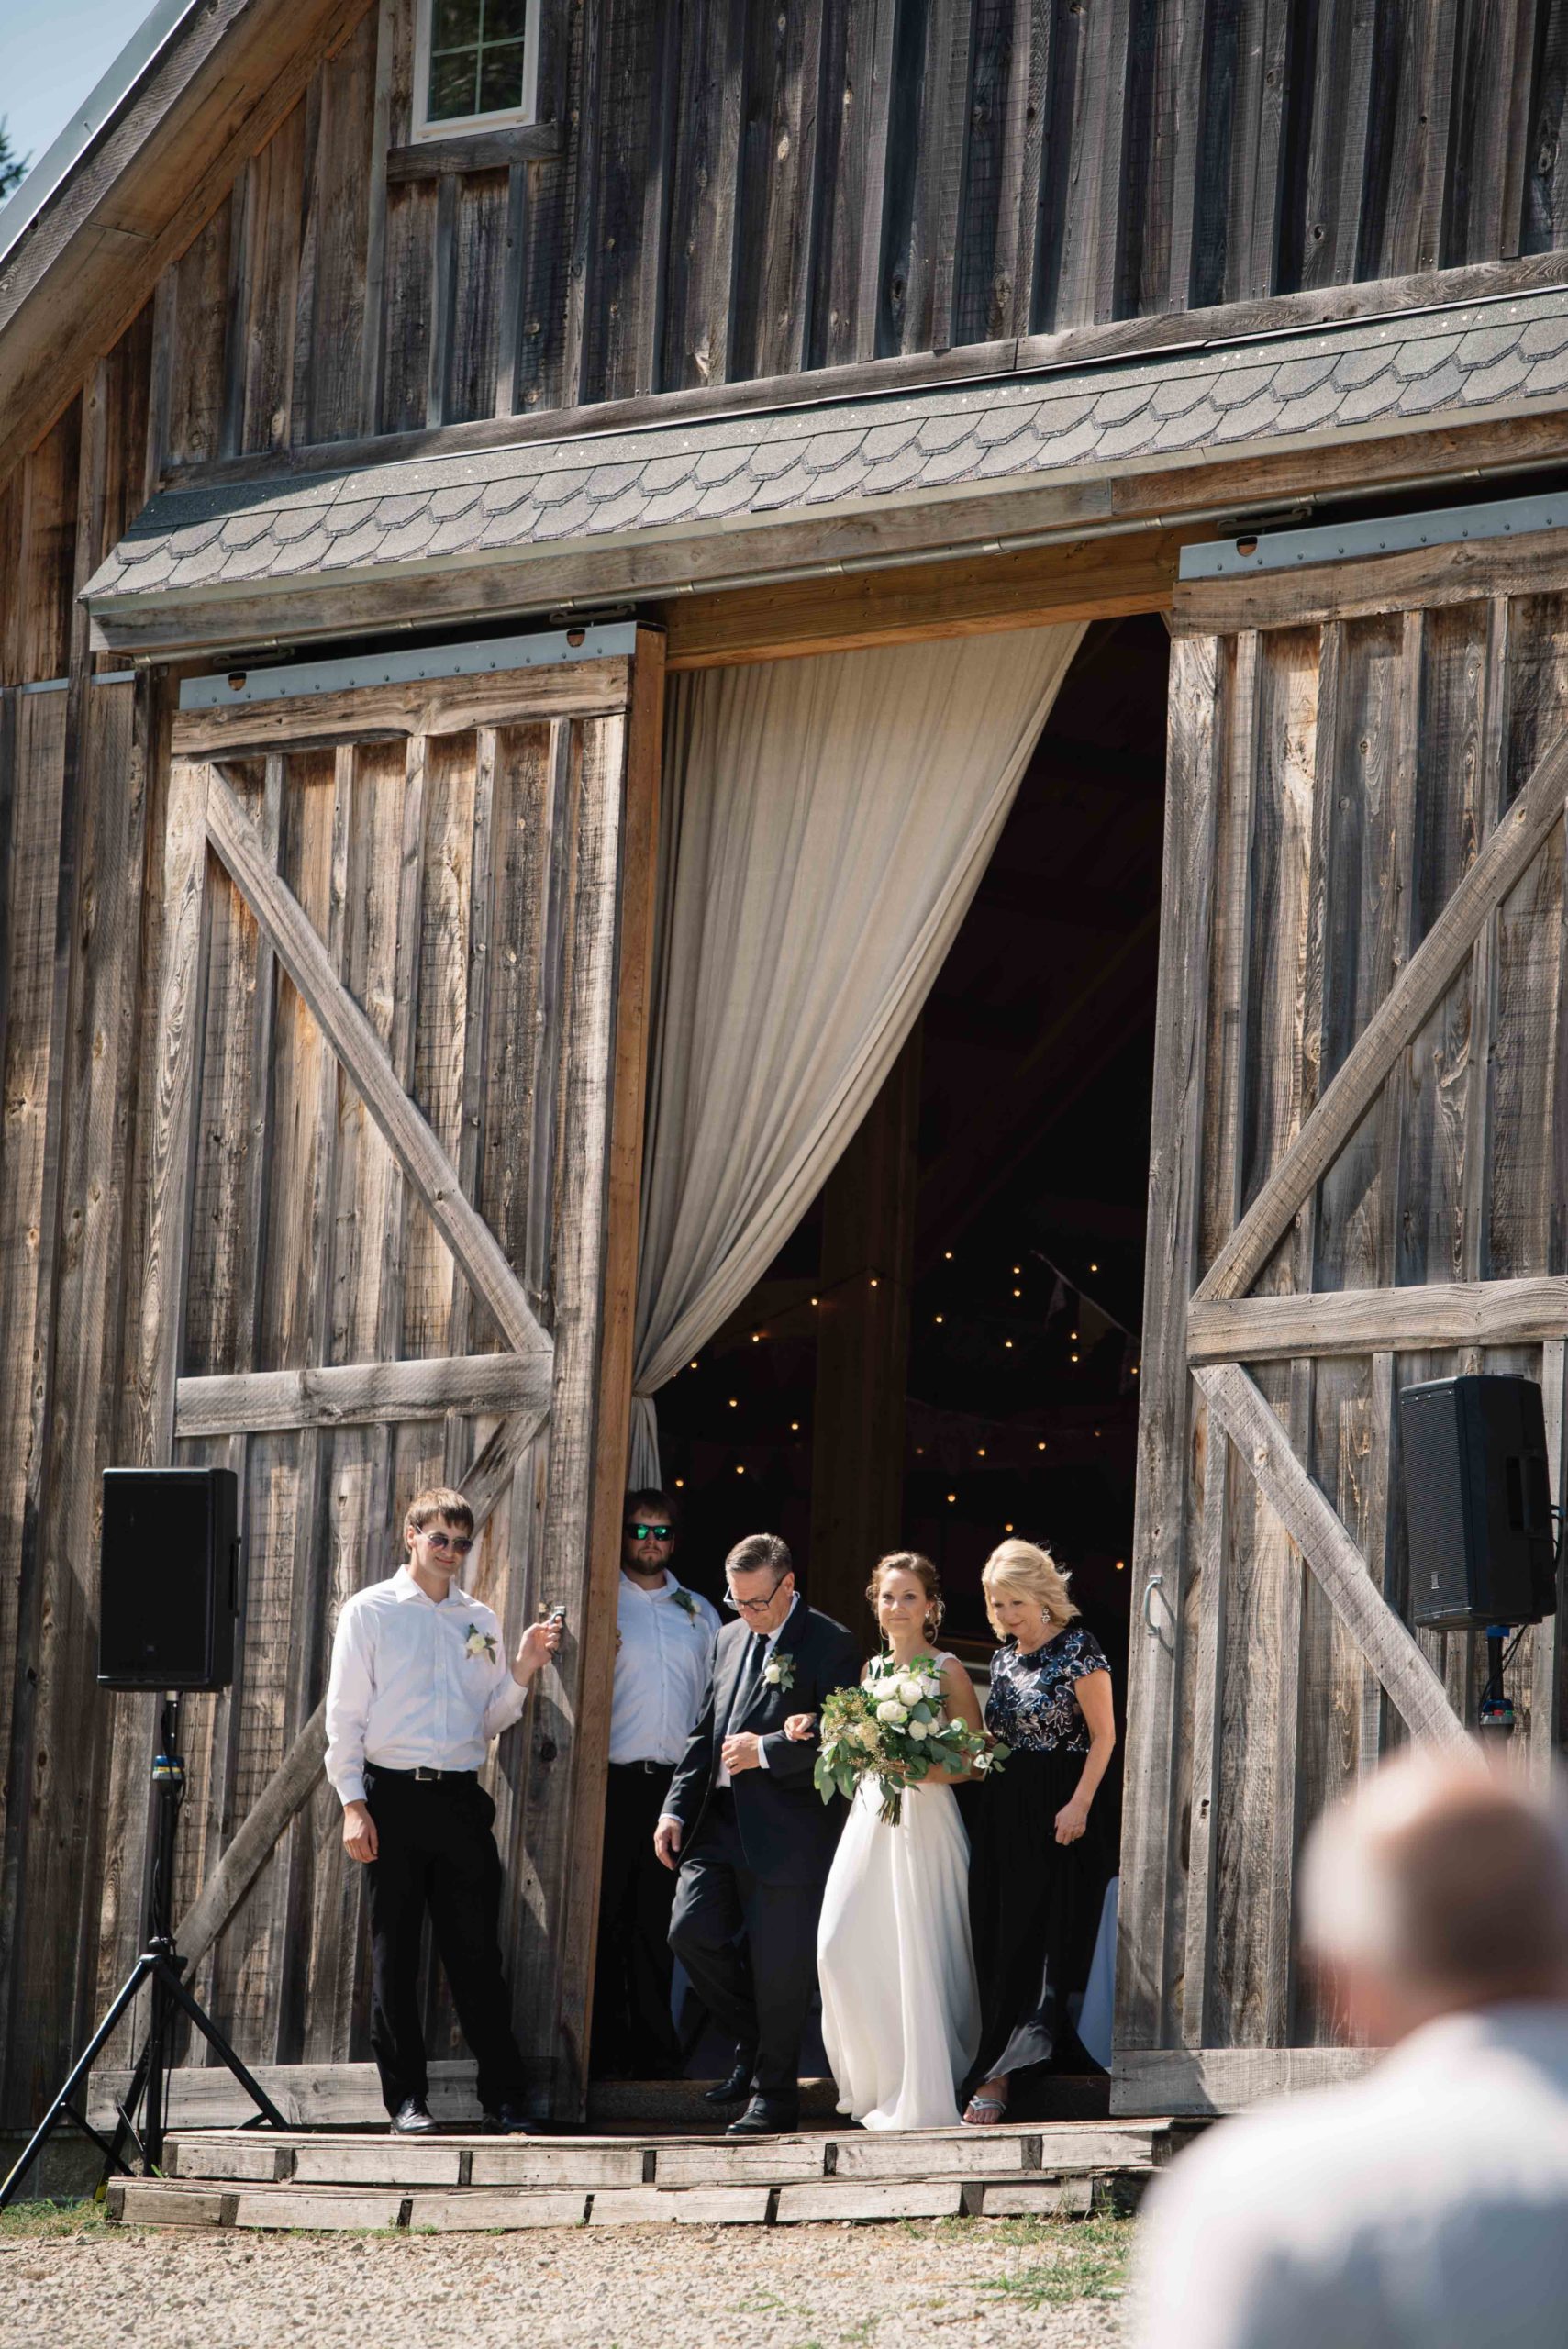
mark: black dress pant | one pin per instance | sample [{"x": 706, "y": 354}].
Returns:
[
  {"x": 750, "y": 1947},
  {"x": 435, "y": 1852},
  {"x": 633, "y": 2034}
]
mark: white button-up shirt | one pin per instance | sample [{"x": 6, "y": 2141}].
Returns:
[
  {"x": 417, "y": 1683},
  {"x": 1424, "y": 2207},
  {"x": 662, "y": 1657}
]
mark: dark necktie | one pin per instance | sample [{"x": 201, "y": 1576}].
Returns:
[{"x": 747, "y": 1680}]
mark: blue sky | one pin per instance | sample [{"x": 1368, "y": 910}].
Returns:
[{"x": 52, "y": 52}]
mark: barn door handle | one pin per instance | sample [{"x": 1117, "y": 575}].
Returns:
[{"x": 1149, "y": 1588}]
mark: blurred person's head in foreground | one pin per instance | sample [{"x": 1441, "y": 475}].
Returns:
[{"x": 1440, "y": 1885}]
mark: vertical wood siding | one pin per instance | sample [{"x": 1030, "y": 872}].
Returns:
[
  {"x": 743, "y": 190},
  {"x": 1362, "y": 766}
]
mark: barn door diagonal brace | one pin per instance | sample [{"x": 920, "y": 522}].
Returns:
[
  {"x": 293, "y": 940},
  {"x": 1509, "y": 849},
  {"x": 1239, "y": 1408}
]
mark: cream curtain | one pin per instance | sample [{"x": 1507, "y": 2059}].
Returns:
[{"x": 826, "y": 823}]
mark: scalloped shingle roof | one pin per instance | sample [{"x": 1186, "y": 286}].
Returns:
[{"x": 696, "y": 478}]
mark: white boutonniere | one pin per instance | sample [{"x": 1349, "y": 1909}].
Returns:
[
  {"x": 479, "y": 1643},
  {"x": 687, "y": 1605},
  {"x": 780, "y": 1673}
]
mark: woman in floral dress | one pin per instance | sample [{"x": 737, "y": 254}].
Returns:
[{"x": 1045, "y": 1835}]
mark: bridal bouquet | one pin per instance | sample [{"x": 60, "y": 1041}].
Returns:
[{"x": 891, "y": 1727}]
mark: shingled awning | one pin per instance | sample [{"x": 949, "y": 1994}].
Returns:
[{"x": 742, "y": 497}]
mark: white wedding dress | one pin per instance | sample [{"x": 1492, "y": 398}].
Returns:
[{"x": 900, "y": 2006}]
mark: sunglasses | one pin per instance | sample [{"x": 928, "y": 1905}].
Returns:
[
  {"x": 641, "y": 1532},
  {"x": 457, "y": 1544}
]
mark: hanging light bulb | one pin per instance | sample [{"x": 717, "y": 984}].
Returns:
[
  {"x": 980, "y": 1454},
  {"x": 1008, "y": 1344},
  {"x": 952, "y": 1496},
  {"x": 947, "y": 1253},
  {"x": 1040, "y": 1447},
  {"x": 734, "y": 1404},
  {"x": 739, "y": 1472},
  {"x": 1121, "y": 1566},
  {"x": 679, "y": 1483},
  {"x": 692, "y": 1365},
  {"x": 1095, "y": 1268},
  {"x": 938, "y": 1319},
  {"x": 756, "y": 1337}
]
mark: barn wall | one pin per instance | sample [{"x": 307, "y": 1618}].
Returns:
[
  {"x": 754, "y": 190},
  {"x": 1347, "y": 776}
]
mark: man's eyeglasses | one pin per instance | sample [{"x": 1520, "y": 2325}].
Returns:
[
  {"x": 756, "y": 1606},
  {"x": 643, "y": 1532},
  {"x": 457, "y": 1544}
]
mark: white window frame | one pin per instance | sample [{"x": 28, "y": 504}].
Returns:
[{"x": 459, "y": 125}]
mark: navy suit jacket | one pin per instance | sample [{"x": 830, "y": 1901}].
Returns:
[{"x": 787, "y": 1832}]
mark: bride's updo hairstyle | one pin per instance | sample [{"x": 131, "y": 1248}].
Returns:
[
  {"x": 910, "y": 1562},
  {"x": 1028, "y": 1572}
]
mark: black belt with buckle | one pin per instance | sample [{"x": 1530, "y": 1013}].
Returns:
[
  {"x": 422, "y": 1775},
  {"x": 647, "y": 1768}
]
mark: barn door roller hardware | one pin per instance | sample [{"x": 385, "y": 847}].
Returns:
[
  {"x": 1250, "y": 547},
  {"x": 409, "y": 665}
]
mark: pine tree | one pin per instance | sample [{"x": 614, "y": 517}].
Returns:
[{"x": 12, "y": 167}]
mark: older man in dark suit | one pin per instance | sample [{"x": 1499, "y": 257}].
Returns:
[{"x": 751, "y": 1836}]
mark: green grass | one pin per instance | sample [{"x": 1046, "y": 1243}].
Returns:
[
  {"x": 1085, "y": 2259},
  {"x": 39, "y": 2222}
]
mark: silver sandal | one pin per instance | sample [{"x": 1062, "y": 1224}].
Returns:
[{"x": 997, "y": 2104}]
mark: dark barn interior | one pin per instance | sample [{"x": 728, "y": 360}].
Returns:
[{"x": 947, "y": 1348}]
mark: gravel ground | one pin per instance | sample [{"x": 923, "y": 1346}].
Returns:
[{"x": 886, "y": 2286}]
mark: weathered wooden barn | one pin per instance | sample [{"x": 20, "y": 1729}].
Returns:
[{"x": 395, "y": 416}]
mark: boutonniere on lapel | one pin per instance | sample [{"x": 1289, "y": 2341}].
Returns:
[
  {"x": 687, "y": 1605},
  {"x": 780, "y": 1672},
  {"x": 479, "y": 1643}
]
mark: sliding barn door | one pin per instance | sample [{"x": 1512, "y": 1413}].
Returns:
[
  {"x": 1357, "y": 1183},
  {"x": 386, "y": 1202}
]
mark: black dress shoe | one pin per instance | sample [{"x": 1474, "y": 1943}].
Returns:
[
  {"x": 766, "y": 2116},
  {"x": 412, "y": 2119},
  {"x": 509, "y": 2121},
  {"x": 737, "y": 2087}
]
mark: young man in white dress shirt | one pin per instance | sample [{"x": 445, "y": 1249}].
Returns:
[
  {"x": 420, "y": 1684},
  {"x": 665, "y": 1636}
]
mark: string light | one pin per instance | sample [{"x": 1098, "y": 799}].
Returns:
[
  {"x": 816, "y": 1300},
  {"x": 1008, "y": 1344},
  {"x": 980, "y": 1453},
  {"x": 680, "y": 1483},
  {"x": 692, "y": 1365},
  {"x": 947, "y": 1253},
  {"x": 874, "y": 1280},
  {"x": 1122, "y": 1562},
  {"x": 1007, "y": 1529},
  {"x": 1017, "y": 1292},
  {"x": 795, "y": 1427},
  {"x": 1095, "y": 1268},
  {"x": 739, "y": 1472},
  {"x": 756, "y": 1337},
  {"x": 1016, "y": 1270},
  {"x": 952, "y": 1496},
  {"x": 937, "y": 1318},
  {"x": 1040, "y": 1447},
  {"x": 733, "y": 1404},
  {"x": 1072, "y": 1357}
]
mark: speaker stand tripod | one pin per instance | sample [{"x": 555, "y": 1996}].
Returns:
[{"x": 159, "y": 1966}]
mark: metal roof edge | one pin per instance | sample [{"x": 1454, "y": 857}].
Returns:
[{"x": 92, "y": 120}]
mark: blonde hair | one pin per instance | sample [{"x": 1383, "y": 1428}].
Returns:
[
  {"x": 1032, "y": 1572},
  {"x": 439, "y": 1500},
  {"x": 910, "y": 1562}
]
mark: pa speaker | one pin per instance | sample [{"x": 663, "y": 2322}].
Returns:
[
  {"x": 169, "y": 1587},
  {"x": 1478, "y": 1503}
]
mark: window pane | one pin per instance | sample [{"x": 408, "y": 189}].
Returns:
[
  {"x": 454, "y": 80},
  {"x": 454, "y": 24},
  {"x": 501, "y": 79},
  {"x": 505, "y": 20}
]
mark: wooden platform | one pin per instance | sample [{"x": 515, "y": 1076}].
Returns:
[{"x": 261, "y": 2178}]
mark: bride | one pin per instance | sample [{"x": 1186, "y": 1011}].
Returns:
[{"x": 900, "y": 2008}]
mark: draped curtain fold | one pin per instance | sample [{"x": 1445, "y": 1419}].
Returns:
[{"x": 826, "y": 823}]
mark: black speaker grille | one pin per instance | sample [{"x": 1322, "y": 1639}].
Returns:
[{"x": 165, "y": 1617}]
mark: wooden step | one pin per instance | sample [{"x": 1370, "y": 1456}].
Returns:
[{"x": 339, "y": 2179}]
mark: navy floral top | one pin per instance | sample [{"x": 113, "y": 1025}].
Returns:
[{"x": 1031, "y": 1706}]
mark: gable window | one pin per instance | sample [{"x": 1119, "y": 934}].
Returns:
[{"x": 476, "y": 64}]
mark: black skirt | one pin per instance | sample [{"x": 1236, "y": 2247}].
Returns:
[{"x": 1034, "y": 1908}]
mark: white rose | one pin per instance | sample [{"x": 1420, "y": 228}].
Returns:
[
  {"x": 910, "y": 1691},
  {"x": 771, "y": 1674},
  {"x": 890, "y": 1710},
  {"x": 919, "y": 1731},
  {"x": 931, "y": 1688}
]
